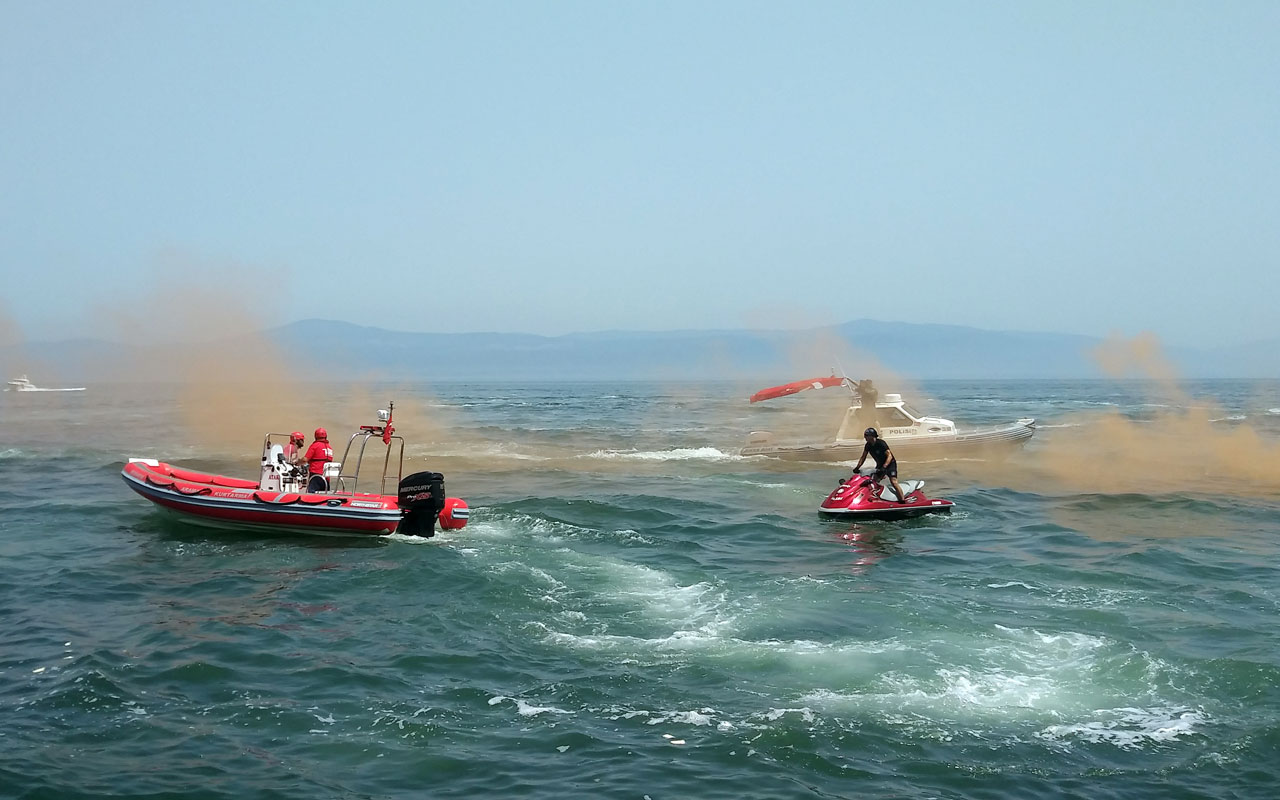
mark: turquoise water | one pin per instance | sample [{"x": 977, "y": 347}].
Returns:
[{"x": 636, "y": 611}]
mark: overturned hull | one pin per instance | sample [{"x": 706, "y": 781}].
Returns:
[{"x": 905, "y": 443}]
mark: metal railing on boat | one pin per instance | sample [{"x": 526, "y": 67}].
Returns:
[{"x": 365, "y": 433}]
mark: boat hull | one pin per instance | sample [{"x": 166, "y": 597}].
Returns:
[
  {"x": 992, "y": 441},
  {"x": 222, "y": 502}
]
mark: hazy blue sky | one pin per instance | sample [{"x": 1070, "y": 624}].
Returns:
[{"x": 563, "y": 166}]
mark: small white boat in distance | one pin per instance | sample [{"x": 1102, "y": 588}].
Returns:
[
  {"x": 907, "y": 431},
  {"x": 22, "y": 384}
]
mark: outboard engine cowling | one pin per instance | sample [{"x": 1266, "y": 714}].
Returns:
[{"x": 421, "y": 497}]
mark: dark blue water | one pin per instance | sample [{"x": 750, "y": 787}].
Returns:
[{"x": 637, "y": 611}]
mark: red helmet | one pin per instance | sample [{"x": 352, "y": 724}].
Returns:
[
  {"x": 297, "y": 436},
  {"x": 321, "y": 433}
]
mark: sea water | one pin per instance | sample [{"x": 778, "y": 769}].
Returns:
[{"x": 636, "y": 611}]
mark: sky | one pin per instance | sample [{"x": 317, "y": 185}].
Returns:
[{"x": 1085, "y": 167}]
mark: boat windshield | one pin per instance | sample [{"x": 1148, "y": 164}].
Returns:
[
  {"x": 892, "y": 418},
  {"x": 910, "y": 409}
]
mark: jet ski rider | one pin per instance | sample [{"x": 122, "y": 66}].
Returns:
[{"x": 886, "y": 462}]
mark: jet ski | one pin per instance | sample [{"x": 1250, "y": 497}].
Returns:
[{"x": 860, "y": 497}]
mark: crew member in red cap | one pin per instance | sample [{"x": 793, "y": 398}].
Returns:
[
  {"x": 293, "y": 452},
  {"x": 318, "y": 454}
]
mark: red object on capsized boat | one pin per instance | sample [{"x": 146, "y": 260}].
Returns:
[{"x": 796, "y": 386}]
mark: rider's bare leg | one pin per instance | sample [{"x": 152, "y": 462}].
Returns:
[{"x": 902, "y": 498}]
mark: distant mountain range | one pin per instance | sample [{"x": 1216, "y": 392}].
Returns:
[{"x": 343, "y": 350}]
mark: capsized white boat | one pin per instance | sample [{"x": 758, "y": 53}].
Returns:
[
  {"x": 907, "y": 431},
  {"x": 23, "y": 384}
]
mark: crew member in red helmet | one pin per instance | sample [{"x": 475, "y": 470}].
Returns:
[{"x": 318, "y": 454}]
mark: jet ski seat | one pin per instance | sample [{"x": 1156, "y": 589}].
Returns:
[{"x": 886, "y": 490}]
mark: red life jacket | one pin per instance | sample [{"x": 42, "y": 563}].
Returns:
[{"x": 318, "y": 454}]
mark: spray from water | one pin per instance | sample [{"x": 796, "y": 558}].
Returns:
[
  {"x": 1186, "y": 445},
  {"x": 196, "y": 336}
]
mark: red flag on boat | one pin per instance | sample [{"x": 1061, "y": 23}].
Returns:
[
  {"x": 796, "y": 386},
  {"x": 388, "y": 429}
]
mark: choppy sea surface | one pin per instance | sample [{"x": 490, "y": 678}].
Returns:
[{"x": 635, "y": 611}]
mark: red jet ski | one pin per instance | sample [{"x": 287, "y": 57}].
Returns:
[{"x": 860, "y": 497}]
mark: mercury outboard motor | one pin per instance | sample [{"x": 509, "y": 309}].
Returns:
[{"x": 422, "y": 498}]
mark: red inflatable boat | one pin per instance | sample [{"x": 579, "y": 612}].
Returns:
[
  {"x": 859, "y": 497},
  {"x": 280, "y": 501}
]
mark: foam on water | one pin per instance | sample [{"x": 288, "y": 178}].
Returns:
[
  {"x": 581, "y": 583},
  {"x": 987, "y": 401},
  {"x": 1062, "y": 686},
  {"x": 634, "y": 649},
  {"x": 691, "y": 610},
  {"x": 1130, "y": 728},
  {"x": 526, "y": 709},
  {"x": 702, "y": 717},
  {"x": 438, "y": 539},
  {"x": 555, "y": 531},
  {"x": 491, "y": 531},
  {"x": 675, "y": 454},
  {"x": 486, "y": 450},
  {"x": 1056, "y": 683},
  {"x": 713, "y": 721},
  {"x": 934, "y": 685},
  {"x": 1073, "y": 596},
  {"x": 796, "y": 663},
  {"x": 960, "y": 692},
  {"x": 547, "y": 529}
]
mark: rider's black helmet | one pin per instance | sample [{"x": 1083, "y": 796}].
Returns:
[{"x": 871, "y": 432}]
